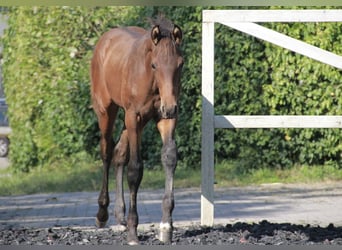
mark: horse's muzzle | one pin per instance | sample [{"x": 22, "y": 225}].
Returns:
[{"x": 169, "y": 112}]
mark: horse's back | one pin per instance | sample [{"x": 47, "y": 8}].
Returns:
[
  {"x": 108, "y": 64},
  {"x": 117, "y": 41}
]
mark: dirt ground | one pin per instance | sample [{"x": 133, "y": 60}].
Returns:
[{"x": 270, "y": 214}]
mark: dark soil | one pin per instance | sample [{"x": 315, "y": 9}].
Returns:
[{"x": 263, "y": 233}]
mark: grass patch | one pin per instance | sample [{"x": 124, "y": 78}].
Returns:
[
  {"x": 80, "y": 177},
  {"x": 83, "y": 175},
  {"x": 86, "y": 175},
  {"x": 229, "y": 174}
]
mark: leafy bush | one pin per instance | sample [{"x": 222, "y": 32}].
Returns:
[
  {"x": 47, "y": 52},
  {"x": 302, "y": 86},
  {"x": 46, "y": 75}
]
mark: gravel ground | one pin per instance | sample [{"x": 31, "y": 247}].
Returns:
[
  {"x": 259, "y": 215},
  {"x": 263, "y": 233}
]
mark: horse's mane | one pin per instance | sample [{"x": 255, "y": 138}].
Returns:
[{"x": 165, "y": 25}]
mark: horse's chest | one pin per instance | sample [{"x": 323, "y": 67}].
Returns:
[
  {"x": 149, "y": 107},
  {"x": 142, "y": 100}
]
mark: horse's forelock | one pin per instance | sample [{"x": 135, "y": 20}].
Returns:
[
  {"x": 165, "y": 25},
  {"x": 166, "y": 48}
]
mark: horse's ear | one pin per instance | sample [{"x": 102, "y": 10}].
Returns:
[
  {"x": 155, "y": 34},
  {"x": 177, "y": 34}
]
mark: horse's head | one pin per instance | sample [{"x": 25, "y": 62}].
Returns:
[{"x": 166, "y": 63}]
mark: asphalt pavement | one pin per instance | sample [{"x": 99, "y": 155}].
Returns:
[{"x": 319, "y": 204}]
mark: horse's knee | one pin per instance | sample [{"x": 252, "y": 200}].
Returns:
[
  {"x": 106, "y": 148},
  {"x": 169, "y": 154},
  {"x": 134, "y": 174},
  {"x": 121, "y": 150},
  {"x": 120, "y": 155}
]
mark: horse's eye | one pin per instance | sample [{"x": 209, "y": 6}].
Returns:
[
  {"x": 154, "y": 66},
  {"x": 180, "y": 62}
]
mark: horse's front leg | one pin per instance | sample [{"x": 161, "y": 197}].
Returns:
[
  {"x": 134, "y": 173},
  {"x": 166, "y": 128}
]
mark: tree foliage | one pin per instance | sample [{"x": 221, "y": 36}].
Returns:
[{"x": 46, "y": 58}]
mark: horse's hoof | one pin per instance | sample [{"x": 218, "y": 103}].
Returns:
[
  {"x": 100, "y": 224},
  {"x": 132, "y": 237},
  {"x": 132, "y": 240},
  {"x": 133, "y": 243},
  {"x": 165, "y": 233},
  {"x": 165, "y": 236},
  {"x": 122, "y": 224},
  {"x": 122, "y": 228},
  {"x": 119, "y": 228}
]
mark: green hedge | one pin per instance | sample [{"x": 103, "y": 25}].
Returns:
[
  {"x": 46, "y": 76},
  {"x": 261, "y": 78}
]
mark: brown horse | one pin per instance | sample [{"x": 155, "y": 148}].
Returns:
[{"x": 139, "y": 71}]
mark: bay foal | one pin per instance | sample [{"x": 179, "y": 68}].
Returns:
[{"x": 138, "y": 70}]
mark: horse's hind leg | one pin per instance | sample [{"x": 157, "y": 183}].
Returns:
[
  {"x": 169, "y": 160},
  {"x": 120, "y": 160},
  {"x": 106, "y": 121}
]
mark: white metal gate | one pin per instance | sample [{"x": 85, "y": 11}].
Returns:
[{"x": 245, "y": 21}]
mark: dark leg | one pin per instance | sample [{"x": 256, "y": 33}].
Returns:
[
  {"x": 134, "y": 174},
  {"x": 106, "y": 121},
  {"x": 169, "y": 161},
  {"x": 120, "y": 160}
]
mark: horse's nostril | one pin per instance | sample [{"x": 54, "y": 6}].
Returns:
[{"x": 175, "y": 109}]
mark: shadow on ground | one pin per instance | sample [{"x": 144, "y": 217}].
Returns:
[{"x": 267, "y": 233}]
